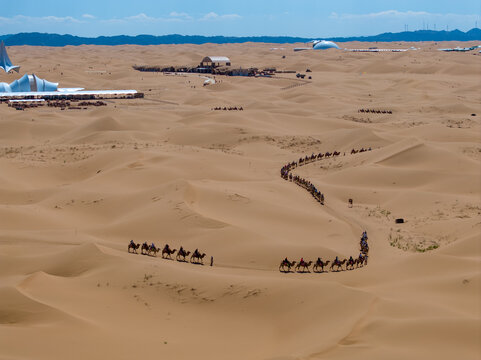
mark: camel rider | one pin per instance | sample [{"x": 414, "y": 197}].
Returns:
[
  {"x": 302, "y": 261},
  {"x": 351, "y": 260},
  {"x": 196, "y": 253},
  {"x": 319, "y": 260},
  {"x": 167, "y": 247},
  {"x": 152, "y": 246},
  {"x": 132, "y": 242},
  {"x": 360, "y": 256},
  {"x": 286, "y": 261},
  {"x": 145, "y": 244},
  {"x": 336, "y": 261}
]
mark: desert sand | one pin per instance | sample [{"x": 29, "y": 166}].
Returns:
[{"x": 77, "y": 185}]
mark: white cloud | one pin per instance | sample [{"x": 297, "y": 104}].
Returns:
[
  {"x": 19, "y": 19},
  {"x": 140, "y": 17},
  {"x": 145, "y": 19},
  {"x": 59, "y": 19},
  {"x": 181, "y": 15},
  {"x": 395, "y": 14},
  {"x": 214, "y": 16}
]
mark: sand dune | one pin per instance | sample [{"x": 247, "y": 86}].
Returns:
[{"x": 77, "y": 185}]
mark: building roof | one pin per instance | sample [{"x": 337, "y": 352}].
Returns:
[
  {"x": 5, "y": 62},
  {"x": 216, "y": 59}
]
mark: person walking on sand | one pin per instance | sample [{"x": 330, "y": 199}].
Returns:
[{"x": 211, "y": 261}]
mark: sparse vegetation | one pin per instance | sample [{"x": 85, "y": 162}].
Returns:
[
  {"x": 379, "y": 212},
  {"x": 408, "y": 243}
]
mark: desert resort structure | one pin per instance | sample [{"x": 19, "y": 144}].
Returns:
[
  {"x": 5, "y": 62},
  {"x": 31, "y": 87}
]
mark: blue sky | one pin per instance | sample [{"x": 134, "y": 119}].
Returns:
[{"x": 307, "y": 18}]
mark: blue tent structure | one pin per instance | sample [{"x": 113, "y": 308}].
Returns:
[
  {"x": 28, "y": 83},
  {"x": 5, "y": 62}
]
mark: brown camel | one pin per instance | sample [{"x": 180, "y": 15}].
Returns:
[
  {"x": 365, "y": 249},
  {"x": 153, "y": 251},
  {"x": 350, "y": 263},
  {"x": 182, "y": 254},
  {"x": 134, "y": 247},
  {"x": 145, "y": 249},
  {"x": 360, "y": 261},
  {"x": 338, "y": 263},
  {"x": 198, "y": 256},
  {"x": 285, "y": 266},
  {"x": 304, "y": 265},
  {"x": 167, "y": 251},
  {"x": 320, "y": 264}
]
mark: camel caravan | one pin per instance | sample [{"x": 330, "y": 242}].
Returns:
[
  {"x": 319, "y": 265},
  {"x": 286, "y": 171},
  {"x": 337, "y": 265},
  {"x": 230, "y": 108},
  {"x": 151, "y": 250},
  {"x": 373, "y": 111}
]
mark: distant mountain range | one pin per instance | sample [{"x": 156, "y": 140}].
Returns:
[{"x": 40, "y": 39}]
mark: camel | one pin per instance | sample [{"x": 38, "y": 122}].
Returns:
[
  {"x": 338, "y": 263},
  {"x": 134, "y": 247},
  {"x": 198, "y": 256},
  {"x": 320, "y": 264},
  {"x": 182, "y": 253},
  {"x": 363, "y": 261},
  {"x": 168, "y": 251},
  {"x": 286, "y": 264},
  {"x": 304, "y": 265},
  {"x": 153, "y": 250},
  {"x": 365, "y": 248},
  {"x": 145, "y": 249},
  {"x": 350, "y": 264}
]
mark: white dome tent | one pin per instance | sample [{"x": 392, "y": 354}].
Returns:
[
  {"x": 324, "y": 44},
  {"x": 320, "y": 45}
]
